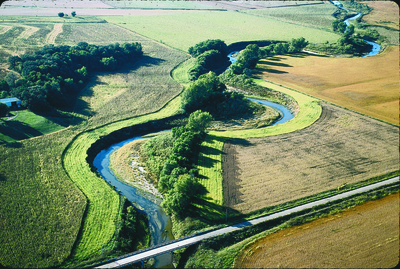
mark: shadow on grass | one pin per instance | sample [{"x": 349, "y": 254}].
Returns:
[
  {"x": 17, "y": 130},
  {"x": 205, "y": 209},
  {"x": 274, "y": 63},
  {"x": 2, "y": 177},
  {"x": 11, "y": 144}
]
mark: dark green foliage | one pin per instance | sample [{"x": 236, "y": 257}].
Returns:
[
  {"x": 199, "y": 93},
  {"x": 338, "y": 26},
  {"x": 55, "y": 73},
  {"x": 209, "y": 60},
  {"x": 177, "y": 178},
  {"x": 60, "y": 14},
  {"x": 4, "y": 86},
  {"x": 3, "y": 109},
  {"x": 210, "y": 44},
  {"x": 73, "y": 13}
]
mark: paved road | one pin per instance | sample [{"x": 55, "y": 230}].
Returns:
[{"x": 185, "y": 242}]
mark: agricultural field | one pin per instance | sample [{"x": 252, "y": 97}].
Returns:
[
  {"x": 368, "y": 85},
  {"x": 315, "y": 16},
  {"x": 225, "y": 25},
  {"x": 365, "y": 236},
  {"x": 341, "y": 147},
  {"x": 57, "y": 213},
  {"x": 384, "y": 13}
]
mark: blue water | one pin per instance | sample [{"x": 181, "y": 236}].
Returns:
[{"x": 286, "y": 114}]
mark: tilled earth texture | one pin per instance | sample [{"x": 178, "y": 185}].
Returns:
[
  {"x": 341, "y": 147},
  {"x": 366, "y": 236}
]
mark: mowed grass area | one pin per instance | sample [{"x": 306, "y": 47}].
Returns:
[
  {"x": 28, "y": 124},
  {"x": 341, "y": 147},
  {"x": 47, "y": 220},
  {"x": 363, "y": 236},
  {"x": 314, "y": 16},
  {"x": 368, "y": 85},
  {"x": 176, "y": 31}
]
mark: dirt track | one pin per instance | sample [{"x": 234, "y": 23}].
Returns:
[
  {"x": 341, "y": 147},
  {"x": 51, "y": 37}
]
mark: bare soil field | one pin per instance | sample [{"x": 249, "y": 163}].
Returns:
[
  {"x": 366, "y": 236},
  {"x": 369, "y": 85},
  {"x": 385, "y": 13},
  {"x": 341, "y": 147}
]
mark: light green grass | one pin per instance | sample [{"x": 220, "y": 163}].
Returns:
[
  {"x": 28, "y": 124},
  {"x": 210, "y": 168},
  {"x": 315, "y": 16},
  {"x": 187, "y": 29}
]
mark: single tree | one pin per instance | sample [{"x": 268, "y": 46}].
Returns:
[
  {"x": 3, "y": 109},
  {"x": 73, "y": 13},
  {"x": 60, "y": 14}
]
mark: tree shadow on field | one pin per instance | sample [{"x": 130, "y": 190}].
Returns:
[
  {"x": 2, "y": 177},
  {"x": 203, "y": 208},
  {"x": 274, "y": 63},
  {"x": 18, "y": 130},
  {"x": 15, "y": 145},
  {"x": 241, "y": 142}
]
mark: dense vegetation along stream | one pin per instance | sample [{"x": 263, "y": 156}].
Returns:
[
  {"x": 159, "y": 223},
  {"x": 375, "y": 46}
]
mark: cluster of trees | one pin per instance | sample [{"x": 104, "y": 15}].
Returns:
[
  {"x": 61, "y": 14},
  {"x": 178, "y": 180},
  {"x": 209, "y": 94},
  {"x": 249, "y": 57},
  {"x": 3, "y": 109},
  {"x": 48, "y": 78},
  {"x": 210, "y": 55}
]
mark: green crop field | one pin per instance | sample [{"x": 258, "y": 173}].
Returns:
[
  {"x": 159, "y": 5},
  {"x": 229, "y": 26}
]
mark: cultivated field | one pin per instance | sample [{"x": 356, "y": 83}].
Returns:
[
  {"x": 366, "y": 236},
  {"x": 315, "y": 16},
  {"x": 368, "y": 85},
  {"x": 229, "y": 26},
  {"x": 384, "y": 13},
  {"x": 341, "y": 147}
]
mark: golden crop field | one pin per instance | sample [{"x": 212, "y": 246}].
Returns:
[
  {"x": 368, "y": 85},
  {"x": 366, "y": 236},
  {"x": 384, "y": 13},
  {"x": 340, "y": 147}
]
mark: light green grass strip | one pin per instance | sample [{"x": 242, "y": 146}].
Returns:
[
  {"x": 103, "y": 202},
  {"x": 309, "y": 112},
  {"x": 210, "y": 168}
]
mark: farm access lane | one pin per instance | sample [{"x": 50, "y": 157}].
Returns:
[{"x": 185, "y": 242}]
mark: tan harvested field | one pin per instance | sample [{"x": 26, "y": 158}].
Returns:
[
  {"x": 341, "y": 147},
  {"x": 51, "y": 37},
  {"x": 385, "y": 13},
  {"x": 366, "y": 236},
  {"x": 368, "y": 85}
]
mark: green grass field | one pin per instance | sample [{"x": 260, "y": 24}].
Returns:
[
  {"x": 28, "y": 124},
  {"x": 175, "y": 31}
]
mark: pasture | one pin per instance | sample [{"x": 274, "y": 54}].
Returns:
[
  {"x": 340, "y": 147},
  {"x": 365, "y": 236},
  {"x": 229, "y": 26},
  {"x": 367, "y": 85}
]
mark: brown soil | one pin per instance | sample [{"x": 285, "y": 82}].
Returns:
[
  {"x": 341, "y": 147},
  {"x": 366, "y": 236}
]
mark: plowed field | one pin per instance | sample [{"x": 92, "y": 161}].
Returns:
[
  {"x": 341, "y": 147},
  {"x": 369, "y": 85},
  {"x": 366, "y": 236}
]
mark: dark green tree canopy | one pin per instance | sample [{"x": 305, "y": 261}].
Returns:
[{"x": 210, "y": 44}]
